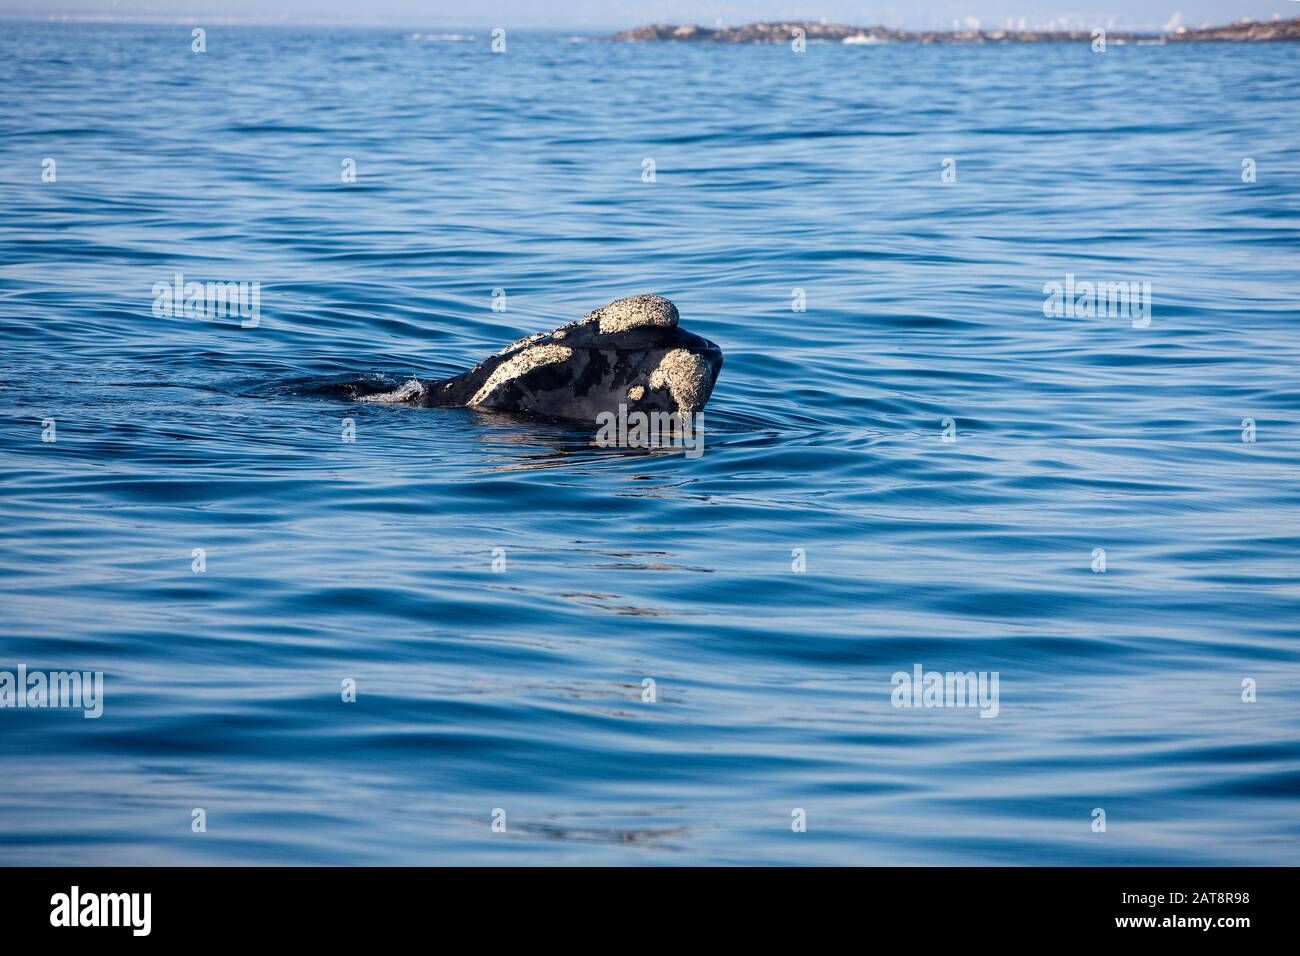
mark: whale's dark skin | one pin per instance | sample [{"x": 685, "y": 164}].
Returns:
[{"x": 630, "y": 353}]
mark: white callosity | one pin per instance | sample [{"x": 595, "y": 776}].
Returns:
[
  {"x": 634, "y": 312},
  {"x": 686, "y": 376},
  {"x": 517, "y": 365}
]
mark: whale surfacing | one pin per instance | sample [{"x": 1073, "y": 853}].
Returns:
[{"x": 630, "y": 353}]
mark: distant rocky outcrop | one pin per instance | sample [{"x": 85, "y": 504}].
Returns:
[{"x": 1242, "y": 31}]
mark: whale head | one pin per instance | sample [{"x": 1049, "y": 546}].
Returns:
[{"x": 631, "y": 353}]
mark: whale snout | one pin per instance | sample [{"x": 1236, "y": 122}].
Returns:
[{"x": 686, "y": 373}]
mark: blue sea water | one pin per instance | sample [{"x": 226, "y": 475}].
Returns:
[{"x": 522, "y": 690}]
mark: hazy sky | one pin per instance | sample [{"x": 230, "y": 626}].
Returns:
[{"x": 602, "y": 14}]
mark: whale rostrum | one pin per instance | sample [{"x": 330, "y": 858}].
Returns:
[{"x": 630, "y": 353}]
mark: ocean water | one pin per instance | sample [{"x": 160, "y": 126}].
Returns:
[{"x": 965, "y": 546}]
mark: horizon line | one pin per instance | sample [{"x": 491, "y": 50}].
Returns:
[{"x": 403, "y": 23}]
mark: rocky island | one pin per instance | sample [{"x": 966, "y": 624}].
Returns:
[{"x": 1241, "y": 31}]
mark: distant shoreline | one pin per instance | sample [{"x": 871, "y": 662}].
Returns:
[{"x": 1244, "y": 31}]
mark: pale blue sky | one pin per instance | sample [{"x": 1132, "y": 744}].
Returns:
[{"x": 607, "y": 14}]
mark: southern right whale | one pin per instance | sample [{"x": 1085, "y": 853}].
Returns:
[{"x": 630, "y": 353}]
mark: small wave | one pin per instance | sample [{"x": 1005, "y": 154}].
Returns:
[{"x": 413, "y": 389}]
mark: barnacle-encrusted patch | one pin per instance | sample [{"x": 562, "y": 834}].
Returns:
[
  {"x": 520, "y": 343},
  {"x": 520, "y": 364},
  {"x": 634, "y": 312},
  {"x": 686, "y": 376}
]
